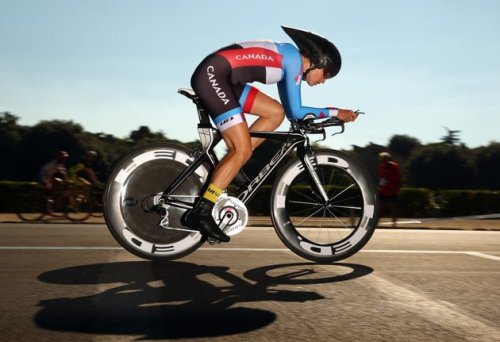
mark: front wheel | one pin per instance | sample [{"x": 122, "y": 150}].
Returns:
[
  {"x": 135, "y": 183},
  {"x": 31, "y": 206},
  {"x": 319, "y": 231}
]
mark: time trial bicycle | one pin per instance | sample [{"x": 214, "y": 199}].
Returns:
[{"x": 324, "y": 205}]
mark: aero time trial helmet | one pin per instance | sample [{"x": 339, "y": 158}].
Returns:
[{"x": 321, "y": 52}]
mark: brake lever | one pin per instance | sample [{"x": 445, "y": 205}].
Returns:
[{"x": 323, "y": 132}]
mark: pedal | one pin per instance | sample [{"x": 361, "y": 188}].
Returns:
[{"x": 212, "y": 241}]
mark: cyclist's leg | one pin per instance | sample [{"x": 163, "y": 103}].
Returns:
[
  {"x": 269, "y": 111},
  {"x": 239, "y": 146},
  {"x": 237, "y": 138},
  {"x": 212, "y": 82}
]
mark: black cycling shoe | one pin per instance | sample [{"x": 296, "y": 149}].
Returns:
[{"x": 200, "y": 218}]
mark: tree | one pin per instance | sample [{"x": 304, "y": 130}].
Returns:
[
  {"x": 11, "y": 134},
  {"x": 144, "y": 134},
  {"x": 42, "y": 141},
  {"x": 451, "y": 138},
  {"x": 403, "y": 145},
  {"x": 441, "y": 166},
  {"x": 487, "y": 161}
]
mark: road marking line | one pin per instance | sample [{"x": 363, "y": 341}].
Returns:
[
  {"x": 483, "y": 255},
  {"x": 39, "y": 248},
  {"x": 440, "y": 312},
  {"x": 416, "y": 251},
  {"x": 243, "y": 249}
]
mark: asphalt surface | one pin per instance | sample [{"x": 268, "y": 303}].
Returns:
[{"x": 72, "y": 282}]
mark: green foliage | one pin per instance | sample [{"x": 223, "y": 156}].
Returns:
[
  {"x": 24, "y": 150},
  {"x": 403, "y": 145},
  {"x": 445, "y": 165},
  {"x": 416, "y": 202},
  {"x": 487, "y": 161},
  {"x": 441, "y": 166},
  {"x": 10, "y": 193},
  {"x": 451, "y": 137},
  {"x": 468, "y": 202}
]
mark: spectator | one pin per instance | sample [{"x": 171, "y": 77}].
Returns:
[{"x": 388, "y": 187}]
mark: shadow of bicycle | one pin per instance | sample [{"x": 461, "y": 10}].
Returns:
[{"x": 178, "y": 299}]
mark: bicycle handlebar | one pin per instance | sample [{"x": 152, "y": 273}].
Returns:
[{"x": 314, "y": 126}]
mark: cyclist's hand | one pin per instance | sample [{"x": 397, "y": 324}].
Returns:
[{"x": 346, "y": 115}]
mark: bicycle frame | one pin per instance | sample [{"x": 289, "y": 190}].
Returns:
[{"x": 210, "y": 138}]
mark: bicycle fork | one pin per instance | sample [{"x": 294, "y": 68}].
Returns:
[{"x": 308, "y": 159}]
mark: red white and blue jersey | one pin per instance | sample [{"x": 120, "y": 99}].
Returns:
[{"x": 238, "y": 65}]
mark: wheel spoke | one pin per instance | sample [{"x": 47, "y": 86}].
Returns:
[
  {"x": 302, "y": 202},
  {"x": 307, "y": 218}
]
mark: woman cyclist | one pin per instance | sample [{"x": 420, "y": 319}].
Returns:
[{"x": 222, "y": 82}]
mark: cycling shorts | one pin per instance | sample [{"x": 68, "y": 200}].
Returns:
[{"x": 224, "y": 100}]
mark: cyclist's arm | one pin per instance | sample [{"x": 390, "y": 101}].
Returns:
[
  {"x": 91, "y": 174},
  {"x": 289, "y": 87}
]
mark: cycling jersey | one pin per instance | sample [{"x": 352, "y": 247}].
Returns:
[
  {"x": 222, "y": 81},
  {"x": 51, "y": 170},
  {"x": 75, "y": 174}
]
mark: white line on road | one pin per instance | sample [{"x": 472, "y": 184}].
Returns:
[
  {"x": 483, "y": 255},
  {"x": 242, "y": 249},
  {"x": 55, "y": 248},
  {"x": 447, "y": 315}
]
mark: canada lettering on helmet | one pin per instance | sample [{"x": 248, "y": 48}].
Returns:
[{"x": 215, "y": 84}]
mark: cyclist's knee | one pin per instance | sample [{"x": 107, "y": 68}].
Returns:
[
  {"x": 242, "y": 154},
  {"x": 277, "y": 116}
]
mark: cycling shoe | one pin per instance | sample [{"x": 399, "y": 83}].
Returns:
[{"x": 200, "y": 218}]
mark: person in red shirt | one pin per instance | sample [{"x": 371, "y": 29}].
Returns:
[{"x": 388, "y": 186}]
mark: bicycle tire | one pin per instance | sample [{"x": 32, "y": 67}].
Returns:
[
  {"x": 31, "y": 207},
  {"x": 79, "y": 208},
  {"x": 96, "y": 203},
  {"x": 330, "y": 232},
  {"x": 138, "y": 177}
]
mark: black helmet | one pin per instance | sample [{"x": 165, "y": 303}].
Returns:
[
  {"x": 91, "y": 154},
  {"x": 321, "y": 52},
  {"x": 62, "y": 154}
]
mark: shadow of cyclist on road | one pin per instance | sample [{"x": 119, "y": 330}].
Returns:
[{"x": 177, "y": 299}]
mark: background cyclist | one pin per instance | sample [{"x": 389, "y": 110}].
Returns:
[
  {"x": 82, "y": 173},
  {"x": 54, "y": 171}
]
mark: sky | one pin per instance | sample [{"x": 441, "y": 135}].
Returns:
[{"x": 414, "y": 67}]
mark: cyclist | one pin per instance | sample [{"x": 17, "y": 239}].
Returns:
[
  {"x": 222, "y": 82},
  {"x": 54, "y": 171},
  {"x": 82, "y": 173}
]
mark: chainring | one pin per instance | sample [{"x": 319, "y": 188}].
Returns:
[{"x": 230, "y": 214}]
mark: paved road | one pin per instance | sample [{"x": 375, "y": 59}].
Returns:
[{"x": 73, "y": 283}]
